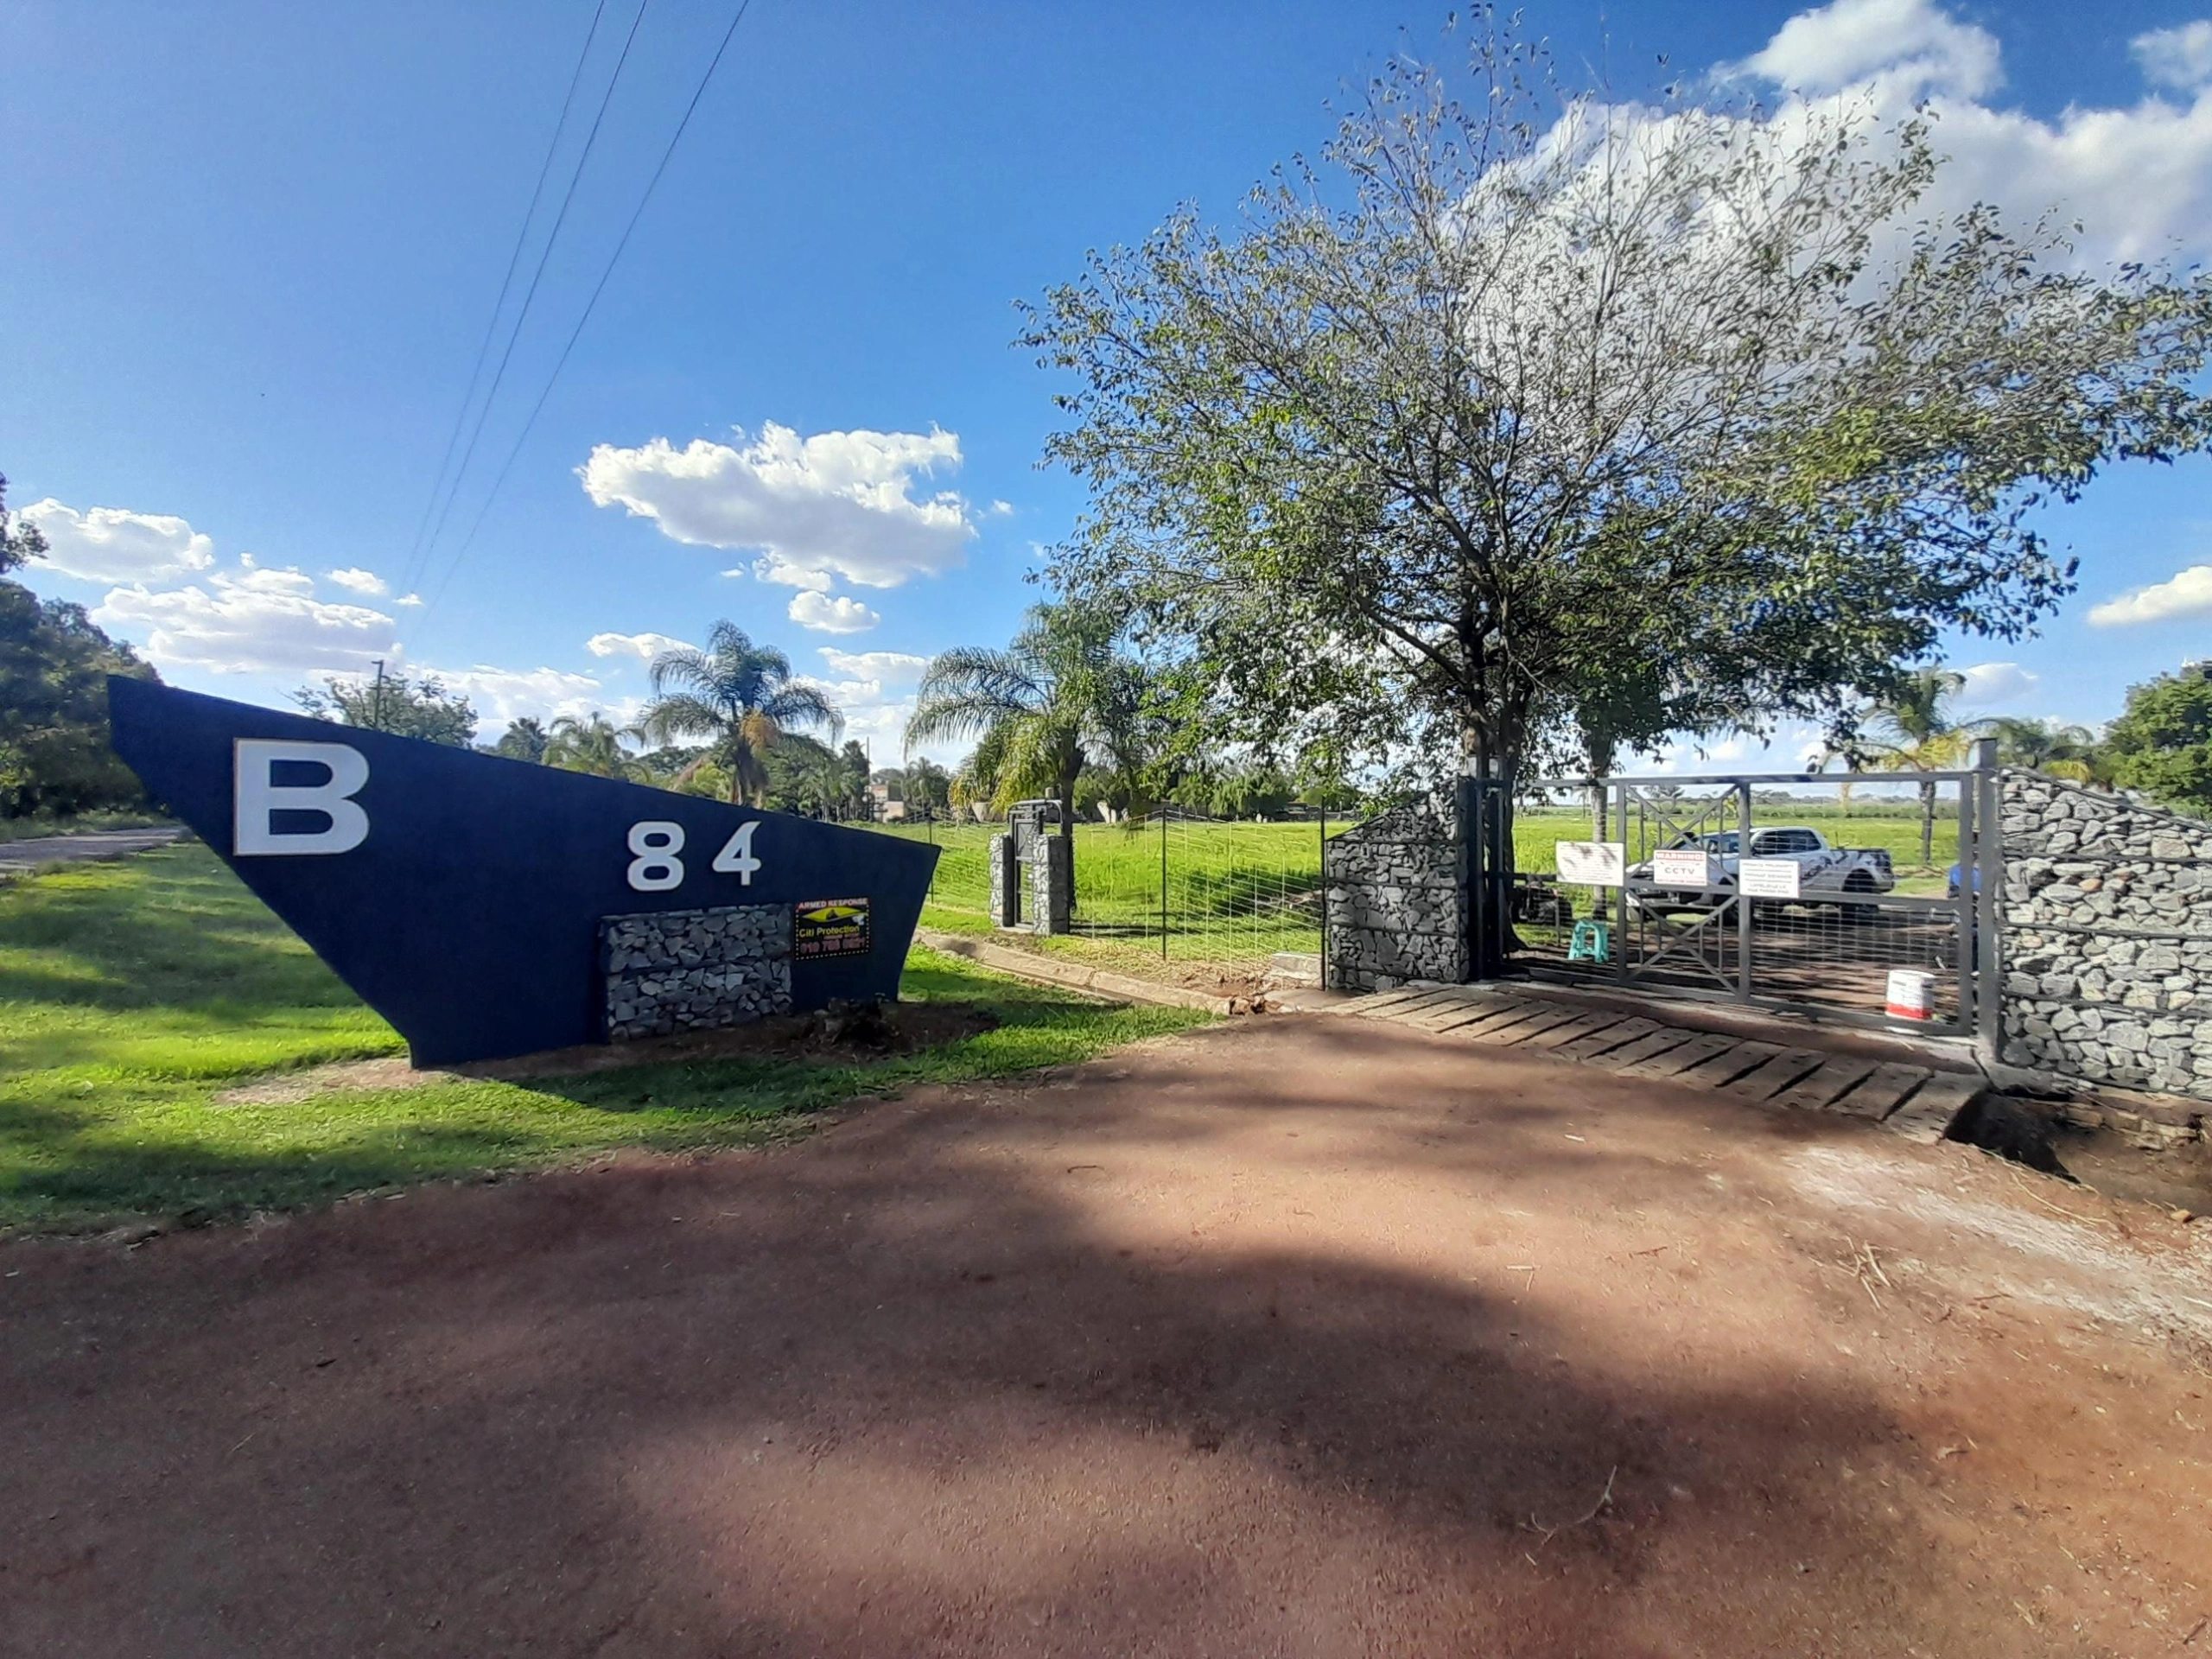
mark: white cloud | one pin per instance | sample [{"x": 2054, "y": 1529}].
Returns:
[
  {"x": 409, "y": 599},
  {"x": 354, "y": 579},
  {"x": 888, "y": 667},
  {"x": 503, "y": 694},
  {"x": 2180, "y": 57},
  {"x": 837, "y": 503},
  {"x": 644, "y": 646},
  {"x": 827, "y": 615},
  {"x": 109, "y": 544},
  {"x": 1910, "y": 44},
  {"x": 2138, "y": 179},
  {"x": 257, "y": 621},
  {"x": 777, "y": 569},
  {"x": 1990, "y": 684},
  {"x": 2186, "y": 593}
]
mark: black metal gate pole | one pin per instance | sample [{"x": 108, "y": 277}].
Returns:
[
  {"x": 1743, "y": 905},
  {"x": 1986, "y": 905},
  {"x": 1325, "y": 897},
  {"x": 1469, "y": 834},
  {"x": 1620, "y": 893},
  {"x": 1963, "y": 1020}
]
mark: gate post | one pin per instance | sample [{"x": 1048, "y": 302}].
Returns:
[
  {"x": 1478, "y": 833},
  {"x": 1467, "y": 868},
  {"x": 1006, "y": 883},
  {"x": 1986, "y": 903}
]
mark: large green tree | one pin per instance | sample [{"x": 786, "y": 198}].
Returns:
[
  {"x": 54, "y": 754},
  {"x": 2162, "y": 744},
  {"x": 407, "y": 705},
  {"x": 1058, "y": 695},
  {"x": 736, "y": 698},
  {"x": 1505, "y": 433}
]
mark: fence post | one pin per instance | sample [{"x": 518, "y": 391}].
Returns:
[
  {"x": 1987, "y": 903},
  {"x": 1163, "y": 883},
  {"x": 1325, "y": 897},
  {"x": 1743, "y": 905}
]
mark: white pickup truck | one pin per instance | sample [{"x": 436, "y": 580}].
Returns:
[{"x": 1822, "y": 867}]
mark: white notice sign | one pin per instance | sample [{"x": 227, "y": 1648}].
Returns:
[
  {"x": 1769, "y": 877},
  {"x": 1682, "y": 868},
  {"x": 1592, "y": 863}
]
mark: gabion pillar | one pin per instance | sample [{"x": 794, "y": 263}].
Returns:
[
  {"x": 1006, "y": 883},
  {"x": 1051, "y": 873}
]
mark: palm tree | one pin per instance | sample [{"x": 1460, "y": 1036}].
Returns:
[
  {"x": 1038, "y": 709},
  {"x": 593, "y": 745},
  {"x": 524, "y": 740},
  {"x": 2050, "y": 746},
  {"x": 737, "y": 697},
  {"x": 1913, "y": 729}
]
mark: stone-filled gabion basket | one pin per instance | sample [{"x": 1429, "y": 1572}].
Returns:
[
  {"x": 1395, "y": 910},
  {"x": 695, "y": 970},
  {"x": 2108, "y": 937}
]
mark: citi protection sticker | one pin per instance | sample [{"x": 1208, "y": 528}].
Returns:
[{"x": 830, "y": 927}]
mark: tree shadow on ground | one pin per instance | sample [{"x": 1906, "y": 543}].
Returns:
[{"x": 1056, "y": 1370}]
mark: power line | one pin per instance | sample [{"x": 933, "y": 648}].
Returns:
[
  {"x": 545, "y": 255},
  {"x": 506, "y": 284},
  {"x": 599, "y": 288}
]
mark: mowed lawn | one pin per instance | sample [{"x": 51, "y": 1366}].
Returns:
[
  {"x": 134, "y": 996},
  {"x": 1233, "y": 892}
]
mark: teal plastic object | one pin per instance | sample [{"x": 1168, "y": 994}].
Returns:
[{"x": 1593, "y": 942}]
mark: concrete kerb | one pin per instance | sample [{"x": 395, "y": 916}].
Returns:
[{"x": 1071, "y": 975}]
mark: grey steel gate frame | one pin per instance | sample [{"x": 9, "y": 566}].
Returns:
[{"x": 1486, "y": 814}]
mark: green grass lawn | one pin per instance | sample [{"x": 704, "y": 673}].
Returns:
[
  {"x": 1235, "y": 893},
  {"x": 133, "y": 995}
]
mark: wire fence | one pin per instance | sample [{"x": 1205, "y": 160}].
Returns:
[
  {"x": 1174, "y": 895},
  {"x": 1880, "y": 868}
]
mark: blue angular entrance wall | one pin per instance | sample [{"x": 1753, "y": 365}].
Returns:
[{"x": 468, "y": 911}]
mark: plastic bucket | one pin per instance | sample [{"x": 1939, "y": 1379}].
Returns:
[{"x": 1913, "y": 995}]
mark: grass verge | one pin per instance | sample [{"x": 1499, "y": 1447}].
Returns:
[
  {"x": 135, "y": 994},
  {"x": 78, "y": 824}
]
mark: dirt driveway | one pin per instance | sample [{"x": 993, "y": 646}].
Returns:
[{"x": 1300, "y": 1336}]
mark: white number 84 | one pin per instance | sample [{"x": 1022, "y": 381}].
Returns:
[{"x": 657, "y": 865}]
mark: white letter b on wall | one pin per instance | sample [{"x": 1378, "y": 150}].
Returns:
[{"x": 256, "y": 797}]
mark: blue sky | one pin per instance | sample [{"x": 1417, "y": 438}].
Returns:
[{"x": 251, "y": 250}]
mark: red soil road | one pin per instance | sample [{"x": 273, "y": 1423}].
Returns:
[{"x": 1303, "y": 1336}]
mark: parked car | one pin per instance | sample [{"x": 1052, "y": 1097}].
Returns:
[{"x": 1823, "y": 869}]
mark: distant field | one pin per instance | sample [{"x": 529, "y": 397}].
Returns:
[{"x": 1893, "y": 829}]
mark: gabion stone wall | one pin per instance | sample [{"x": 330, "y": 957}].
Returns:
[
  {"x": 2108, "y": 937},
  {"x": 1049, "y": 886},
  {"x": 695, "y": 970},
  {"x": 1395, "y": 908},
  {"x": 1006, "y": 882}
]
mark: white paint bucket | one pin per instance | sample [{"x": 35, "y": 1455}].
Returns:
[{"x": 1913, "y": 995}]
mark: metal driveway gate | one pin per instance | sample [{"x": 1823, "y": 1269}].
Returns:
[{"x": 1640, "y": 883}]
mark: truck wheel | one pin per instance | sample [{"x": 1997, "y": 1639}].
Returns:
[{"x": 1859, "y": 883}]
